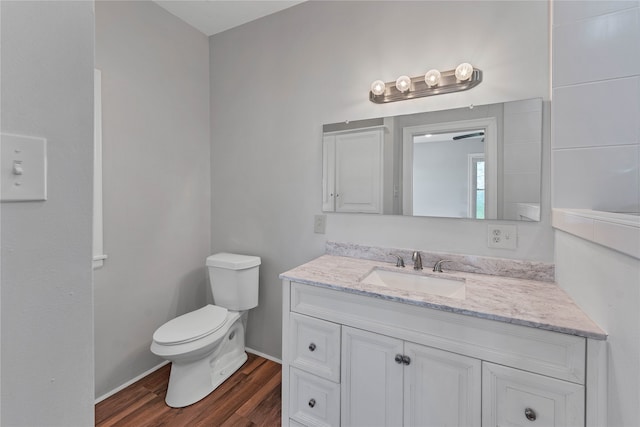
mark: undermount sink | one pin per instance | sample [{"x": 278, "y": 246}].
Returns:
[{"x": 430, "y": 284}]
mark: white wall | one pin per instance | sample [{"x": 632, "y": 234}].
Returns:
[
  {"x": 605, "y": 284},
  {"x": 522, "y": 151},
  {"x": 596, "y": 104},
  {"x": 275, "y": 81},
  {"x": 47, "y": 317},
  {"x": 596, "y": 163},
  {"x": 441, "y": 177},
  {"x": 155, "y": 91}
]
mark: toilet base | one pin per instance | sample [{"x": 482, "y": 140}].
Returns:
[{"x": 192, "y": 381}]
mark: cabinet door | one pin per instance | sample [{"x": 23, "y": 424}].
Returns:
[
  {"x": 441, "y": 388},
  {"x": 512, "y": 398},
  {"x": 358, "y": 172},
  {"x": 371, "y": 390}
]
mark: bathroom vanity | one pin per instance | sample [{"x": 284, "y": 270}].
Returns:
[{"x": 509, "y": 351}]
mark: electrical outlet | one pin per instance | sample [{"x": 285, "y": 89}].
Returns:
[
  {"x": 319, "y": 224},
  {"x": 502, "y": 236}
]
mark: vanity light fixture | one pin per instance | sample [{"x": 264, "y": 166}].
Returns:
[
  {"x": 463, "y": 71},
  {"x": 377, "y": 87},
  {"x": 432, "y": 78},
  {"x": 403, "y": 83},
  {"x": 434, "y": 82}
]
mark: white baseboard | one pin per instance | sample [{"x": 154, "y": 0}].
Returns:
[
  {"x": 266, "y": 356},
  {"x": 128, "y": 383}
]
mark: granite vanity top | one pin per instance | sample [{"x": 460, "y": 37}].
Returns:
[{"x": 525, "y": 302}]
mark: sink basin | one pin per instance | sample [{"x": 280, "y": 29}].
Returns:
[{"x": 431, "y": 284}]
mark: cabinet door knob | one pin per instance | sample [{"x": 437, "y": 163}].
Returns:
[
  {"x": 398, "y": 358},
  {"x": 312, "y": 347},
  {"x": 406, "y": 360},
  {"x": 312, "y": 403},
  {"x": 530, "y": 414}
]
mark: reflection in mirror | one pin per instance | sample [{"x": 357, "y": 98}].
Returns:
[
  {"x": 447, "y": 167},
  {"x": 481, "y": 163}
]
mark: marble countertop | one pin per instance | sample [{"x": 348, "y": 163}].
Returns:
[{"x": 532, "y": 303}]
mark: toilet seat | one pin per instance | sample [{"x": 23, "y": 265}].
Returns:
[{"x": 191, "y": 326}]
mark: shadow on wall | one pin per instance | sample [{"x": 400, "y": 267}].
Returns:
[{"x": 192, "y": 292}]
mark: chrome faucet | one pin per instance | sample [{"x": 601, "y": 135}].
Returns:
[
  {"x": 417, "y": 261},
  {"x": 438, "y": 266},
  {"x": 399, "y": 260}
]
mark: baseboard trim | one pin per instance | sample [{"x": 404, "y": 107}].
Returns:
[
  {"x": 128, "y": 383},
  {"x": 261, "y": 354}
]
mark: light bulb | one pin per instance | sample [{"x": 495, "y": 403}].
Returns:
[
  {"x": 377, "y": 87},
  {"x": 464, "y": 71},
  {"x": 403, "y": 83},
  {"x": 432, "y": 78}
]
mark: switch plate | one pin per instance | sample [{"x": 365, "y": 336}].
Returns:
[
  {"x": 23, "y": 168},
  {"x": 502, "y": 236},
  {"x": 319, "y": 224}
]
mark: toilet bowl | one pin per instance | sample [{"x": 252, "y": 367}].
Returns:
[{"x": 206, "y": 346}]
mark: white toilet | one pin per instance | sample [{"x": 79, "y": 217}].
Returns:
[{"x": 206, "y": 346}]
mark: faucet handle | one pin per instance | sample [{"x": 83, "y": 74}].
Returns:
[
  {"x": 438, "y": 265},
  {"x": 399, "y": 260}
]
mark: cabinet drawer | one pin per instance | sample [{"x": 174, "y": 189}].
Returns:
[
  {"x": 313, "y": 401},
  {"x": 315, "y": 346},
  {"x": 511, "y": 397}
]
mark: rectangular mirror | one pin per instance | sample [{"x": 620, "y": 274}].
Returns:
[{"x": 478, "y": 162}]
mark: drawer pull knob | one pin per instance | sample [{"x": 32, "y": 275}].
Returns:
[
  {"x": 406, "y": 360},
  {"x": 530, "y": 414},
  {"x": 312, "y": 347},
  {"x": 312, "y": 403},
  {"x": 398, "y": 358}
]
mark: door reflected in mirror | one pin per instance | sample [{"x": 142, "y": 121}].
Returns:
[{"x": 479, "y": 163}]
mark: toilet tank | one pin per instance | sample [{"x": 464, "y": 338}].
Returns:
[{"x": 234, "y": 280}]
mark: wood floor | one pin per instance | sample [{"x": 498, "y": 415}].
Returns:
[{"x": 250, "y": 397}]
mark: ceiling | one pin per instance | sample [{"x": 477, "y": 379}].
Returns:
[{"x": 214, "y": 16}]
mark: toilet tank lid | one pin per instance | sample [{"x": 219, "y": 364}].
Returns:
[{"x": 232, "y": 261}]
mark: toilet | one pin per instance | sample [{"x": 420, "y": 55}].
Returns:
[{"x": 206, "y": 346}]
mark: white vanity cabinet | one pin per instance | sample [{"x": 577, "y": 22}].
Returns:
[
  {"x": 353, "y": 171},
  {"x": 377, "y": 362}
]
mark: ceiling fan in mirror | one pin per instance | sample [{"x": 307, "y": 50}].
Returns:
[{"x": 469, "y": 135}]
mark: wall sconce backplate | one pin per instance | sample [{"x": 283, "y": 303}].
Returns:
[{"x": 419, "y": 89}]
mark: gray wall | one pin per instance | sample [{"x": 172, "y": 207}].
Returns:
[
  {"x": 441, "y": 176},
  {"x": 275, "y": 81},
  {"x": 155, "y": 86},
  {"x": 47, "y": 317},
  {"x": 596, "y": 153}
]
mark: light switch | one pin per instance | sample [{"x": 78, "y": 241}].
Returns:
[{"x": 23, "y": 168}]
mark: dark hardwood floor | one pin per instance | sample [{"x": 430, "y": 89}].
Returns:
[{"x": 250, "y": 397}]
